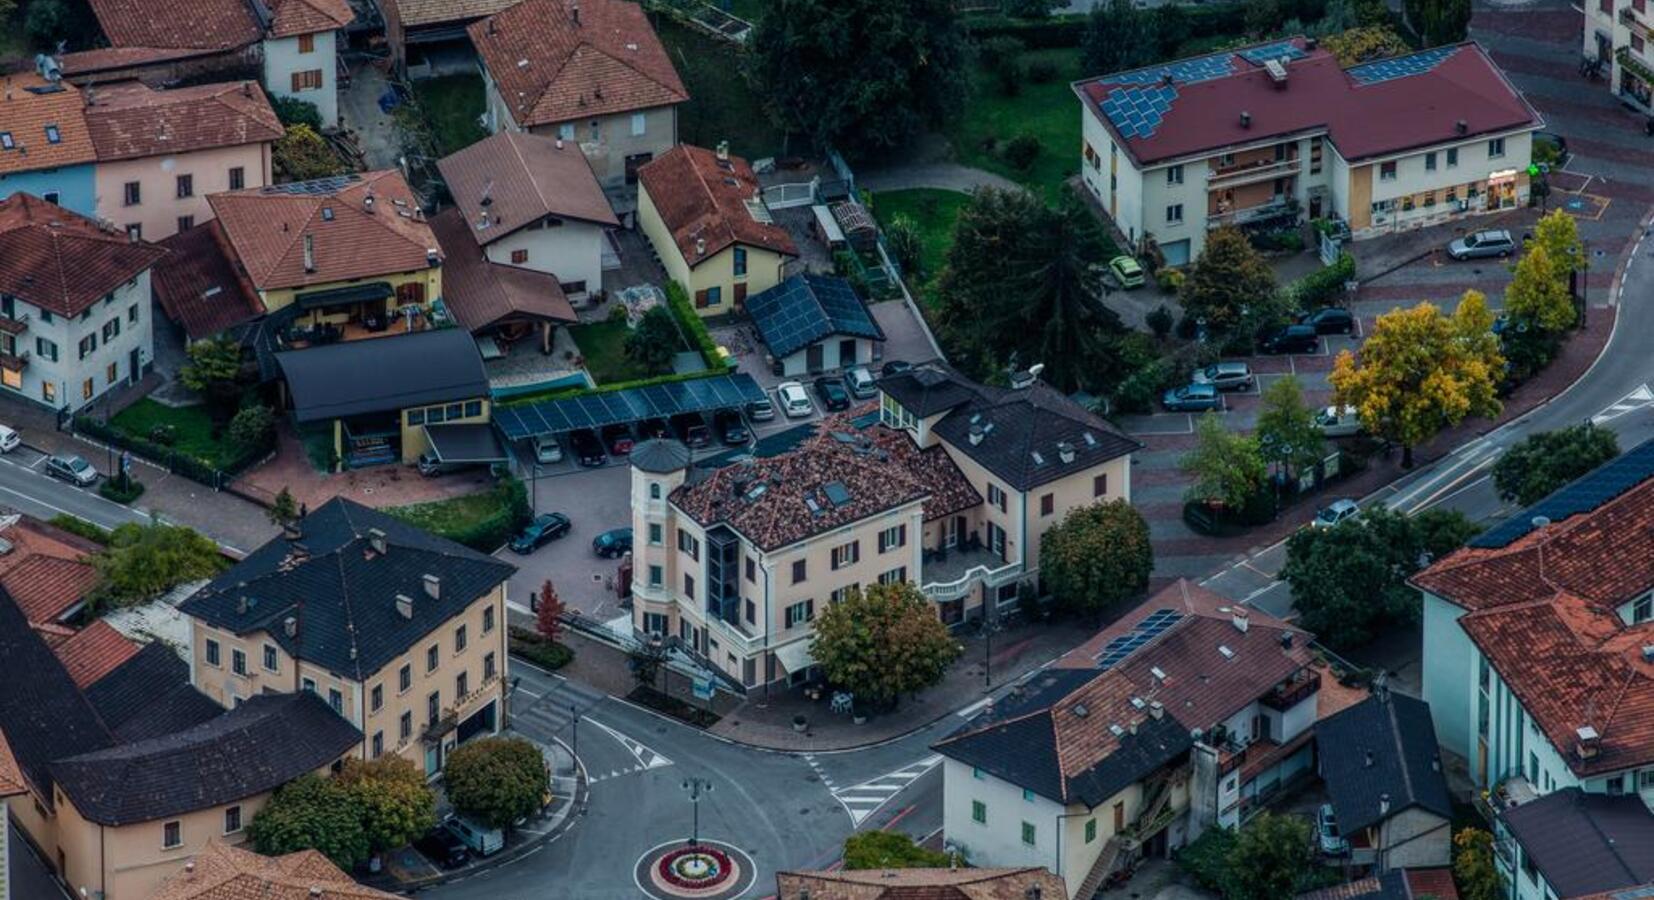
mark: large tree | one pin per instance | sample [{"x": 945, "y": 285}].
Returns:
[
  {"x": 312, "y": 813},
  {"x": 1421, "y": 371},
  {"x": 395, "y": 801},
  {"x": 1228, "y": 281},
  {"x": 1287, "y": 433},
  {"x": 861, "y": 74},
  {"x": 1558, "y": 233},
  {"x": 1272, "y": 858},
  {"x": 1543, "y": 462},
  {"x": 548, "y": 616},
  {"x": 214, "y": 372},
  {"x": 882, "y": 642},
  {"x": 1118, "y": 36},
  {"x": 1227, "y": 466},
  {"x": 1098, "y": 556},
  {"x": 496, "y": 780},
  {"x": 1475, "y": 873},
  {"x": 1438, "y": 21},
  {"x": 141, "y": 562},
  {"x": 1538, "y": 291},
  {"x": 654, "y": 341}
]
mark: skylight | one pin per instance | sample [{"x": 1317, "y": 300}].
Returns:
[{"x": 837, "y": 493}]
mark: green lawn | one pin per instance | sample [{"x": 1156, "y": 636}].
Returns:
[
  {"x": 935, "y": 212},
  {"x": 191, "y": 426},
  {"x": 603, "y": 344},
  {"x": 451, "y": 105},
  {"x": 722, "y": 105},
  {"x": 1047, "y": 111},
  {"x": 452, "y": 515}
]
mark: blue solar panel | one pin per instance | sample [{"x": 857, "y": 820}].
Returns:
[
  {"x": 612, "y": 407},
  {"x": 1582, "y": 495},
  {"x": 1153, "y": 625},
  {"x": 1187, "y": 71},
  {"x": 806, "y": 308},
  {"x": 1138, "y": 110},
  {"x": 1400, "y": 67},
  {"x": 1278, "y": 50},
  {"x": 316, "y": 186}
]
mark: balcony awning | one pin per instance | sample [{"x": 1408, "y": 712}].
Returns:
[
  {"x": 795, "y": 657},
  {"x": 356, "y": 293},
  {"x": 465, "y": 443}
]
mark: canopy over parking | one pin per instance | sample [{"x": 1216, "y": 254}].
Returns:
[
  {"x": 624, "y": 407},
  {"x": 465, "y": 443}
]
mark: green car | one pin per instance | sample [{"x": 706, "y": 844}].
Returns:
[{"x": 1126, "y": 271}]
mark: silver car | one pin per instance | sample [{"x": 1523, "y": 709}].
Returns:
[
  {"x": 1483, "y": 244},
  {"x": 1226, "y": 376},
  {"x": 1336, "y": 512},
  {"x": 1326, "y": 832}
]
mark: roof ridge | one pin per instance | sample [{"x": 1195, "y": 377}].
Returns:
[
  {"x": 646, "y": 76},
  {"x": 1607, "y": 841},
  {"x": 1401, "y": 750}
]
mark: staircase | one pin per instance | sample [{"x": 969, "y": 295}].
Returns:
[
  {"x": 1099, "y": 870},
  {"x": 1154, "y": 815}
]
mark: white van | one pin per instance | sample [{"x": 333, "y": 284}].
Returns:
[
  {"x": 9, "y": 439},
  {"x": 482, "y": 841},
  {"x": 1338, "y": 421}
]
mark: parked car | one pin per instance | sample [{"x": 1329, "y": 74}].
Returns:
[
  {"x": 613, "y": 543},
  {"x": 443, "y": 847},
  {"x": 1126, "y": 271},
  {"x": 895, "y": 367},
  {"x": 794, "y": 401},
  {"x": 1335, "y": 512},
  {"x": 860, "y": 382},
  {"x": 431, "y": 467},
  {"x": 1192, "y": 398},
  {"x": 481, "y": 840},
  {"x": 9, "y": 439},
  {"x": 1338, "y": 421},
  {"x": 545, "y": 527},
  {"x": 1329, "y": 320},
  {"x": 653, "y": 428},
  {"x": 1326, "y": 831},
  {"x": 547, "y": 450},
  {"x": 732, "y": 429},
  {"x": 691, "y": 429},
  {"x": 833, "y": 394},
  {"x": 1483, "y": 244},
  {"x": 1226, "y": 376},
  {"x": 761, "y": 410},
  {"x": 587, "y": 449},
  {"x": 1292, "y": 339},
  {"x": 72, "y": 469},
  {"x": 618, "y": 438}
]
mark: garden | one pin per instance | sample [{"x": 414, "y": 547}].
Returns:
[
  {"x": 482, "y": 521},
  {"x": 449, "y": 106}
]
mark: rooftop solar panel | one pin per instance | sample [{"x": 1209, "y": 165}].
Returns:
[
  {"x": 597, "y": 410},
  {"x": 1400, "y": 67},
  {"x": 1584, "y": 494},
  {"x": 1122, "y": 646},
  {"x": 1278, "y": 50},
  {"x": 316, "y": 186},
  {"x": 806, "y": 308}
]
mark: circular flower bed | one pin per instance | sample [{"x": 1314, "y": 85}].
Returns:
[{"x": 695, "y": 867}]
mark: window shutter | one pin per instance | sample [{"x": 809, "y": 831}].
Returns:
[{"x": 298, "y": 81}]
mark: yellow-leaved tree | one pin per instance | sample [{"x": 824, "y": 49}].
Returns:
[
  {"x": 1421, "y": 371},
  {"x": 1538, "y": 294}
]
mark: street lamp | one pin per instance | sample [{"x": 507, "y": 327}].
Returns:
[
  {"x": 696, "y": 788},
  {"x": 574, "y": 749},
  {"x": 989, "y": 626}
]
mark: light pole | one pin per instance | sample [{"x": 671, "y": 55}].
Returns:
[
  {"x": 696, "y": 788},
  {"x": 574, "y": 749},
  {"x": 989, "y": 626}
]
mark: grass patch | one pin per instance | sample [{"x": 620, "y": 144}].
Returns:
[
  {"x": 722, "y": 105},
  {"x": 451, "y": 105},
  {"x": 481, "y": 521},
  {"x": 603, "y": 344},
  {"x": 934, "y": 212},
  {"x": 1047, "y": 111},
  {"x": 190, "y": 426}
]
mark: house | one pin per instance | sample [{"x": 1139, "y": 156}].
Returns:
[
  {"x": 45, "y": 146},
  {"x": 401, "y": 631},
  {"x": 1031, "y": 883},
  {"x": 74, "y": 304},
  {"x": 704, "y": 214},
  {"x": 47, "y": 571},
  {"x": 1185, "y": 714},
  {"x": 1571, "y": 844},
  {"x": 291, "y": 43},
  {"x": 1263, "y": 136},
  {"x": 496, "y": 301},
  {"x": 160, "y": 153},
  {"x": 1395, "y": 884},
  {"x": 1382, "y": 768},
  {"x": 226, "y": 872},
  {"x": 1616, "y": 36},
  {"x": 533, "y": 202},
  {"x": 811, "y": 323},
  {"x": 591, "y": 73}
]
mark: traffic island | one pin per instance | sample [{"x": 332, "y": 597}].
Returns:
[{"x": 703, "y": 870}]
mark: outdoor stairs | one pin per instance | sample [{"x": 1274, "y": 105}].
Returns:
[
  {"x": 366, "y": 452},
  {"x": 1099, "y": 870}
]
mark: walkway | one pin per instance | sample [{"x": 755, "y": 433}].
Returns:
[{"x": 941, "y": 175}]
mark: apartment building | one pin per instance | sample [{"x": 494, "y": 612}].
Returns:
[
  {"x": 1268, "y": 135},
  {"x": 1616, "y": 34},
  {"x": 401, "y": 632}
]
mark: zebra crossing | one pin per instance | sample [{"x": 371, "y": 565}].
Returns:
[
  {"x": 550, "y": 714},
  {"x": 1630, "y": 403},
  {"x": 862, "y": 800}
]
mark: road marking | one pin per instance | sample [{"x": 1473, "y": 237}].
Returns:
[
  {"x": 971, "y": 710},
  {"x": 647, "y": 758},
  {"x": 1188, "y": 425},
  {"x": 1642, "y": 397},
  {"x": 862, "y": 800}
]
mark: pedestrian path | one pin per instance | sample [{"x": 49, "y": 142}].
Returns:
[
  {"x": 862, "y": 800},
  {"x": 549, "y": 715}
]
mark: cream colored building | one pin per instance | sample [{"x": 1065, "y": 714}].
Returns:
[{"x": 1616, "y": 34}]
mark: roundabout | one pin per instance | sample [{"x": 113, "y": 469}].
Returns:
[{"x": 705, "y": 870}]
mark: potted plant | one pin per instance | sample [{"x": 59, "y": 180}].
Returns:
[{"x": 800, "y": 723}]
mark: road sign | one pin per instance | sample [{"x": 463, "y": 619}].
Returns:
[{"x": 703, "y": 688}]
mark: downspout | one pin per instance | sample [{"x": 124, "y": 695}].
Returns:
[{"x": 768, "y": 669}]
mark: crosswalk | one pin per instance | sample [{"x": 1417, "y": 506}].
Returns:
[
  {"x": 548, "y": 715},
  {"x": 1637, "y": 399},
  {"x": 862, "y": 800}
]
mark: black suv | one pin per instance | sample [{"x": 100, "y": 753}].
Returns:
[
  {"x": 1330, "y": 320},
  {"x": 732, "y": 430},
  {"x": 587, "y": 448},
  {"x": 1292, "y": 339}
]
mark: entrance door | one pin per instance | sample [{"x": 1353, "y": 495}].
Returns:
[
  {"x": 480, "y": 722},
  {"x": 956, "y": 531},
  {"x": 814, "y": 358},
  {"x": 846, "y": 353},
  {"x": 433, "y": 761},
  {"x": 740, "y": 297},
  {"x": 132, "y": 366}
]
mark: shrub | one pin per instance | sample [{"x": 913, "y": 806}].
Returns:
[
  {"x": 253, "y": 427},
  {"x": 293, "y": 111},
  {"x": 1187, "y": 328},
  {"x": 1021, "y": 151},
  {"x": 529, "y": 645},
  {"x": 1160, "y": 320},
  {"x": 121, "y": 489},
  {"x": 678, "y": 297},
  {"x": 995, "y": 50},
  {"x": 1042, "y": 71},
  {"x": 1139, "y": 390},
  {"x": 1169, "y": 280},
  {"x": 1323, "y": 286},
  {"x": 78, "y": 526},
  {"x": 1207, "y": 858}
]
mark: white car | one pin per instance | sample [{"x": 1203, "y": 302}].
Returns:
[
  {"x": 1336, "y": 512},
  {"x": 9, "y": 439},
  {"x": 1338, "y": 421},
  {"x": 547, "y": 450},
  {"x": 794, "y": 400}
]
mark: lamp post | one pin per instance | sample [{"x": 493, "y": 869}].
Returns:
[
  {"x": 574, "y": 723},
  {"x": 696, "y": 788},
  {"x": 989, "y": 626}
]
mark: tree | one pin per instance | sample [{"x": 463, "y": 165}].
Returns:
[
  {"x": 312, "y": 813},
  {"x": 1098, "y": 556},
  {"x": 1171, "y": 29},
  {"x": 144, "y": 561},
  {"x": 645, "y": 662},
  {"x": 1359, "y": 45},
  {"x": 395, "y": 802},
  {"x": 1228, "y": 278},
  {"x": 1286, "y": 429},
  {"x": 283, "y": 509},
  {"x": 1538, "y": 292},
  {"x": 1272, "y": 858},
  {"x": 548, "y": 618},
  {"x": 1117, "y": 36},
  {"x": 301, "y": 153},
  {"x": 1227, "y": 466},
  {"x": 889, "y": 850},
  {"x": 1539, "y": 464},
  {"x": 1263, "y": 17},
  {"x": 293, "y": 111},
  {"x": 252, "y": 427},
  {"x": 1031, "y": 9},
  {"x": 1421, "y": 371},
  {"x": 901, "y": 233},
  {"x": 214, "y": 372},
  {"x": 1558, "y": 233},
  {"x": 860, "y": 74},
  {"x": 654, "y": 341},
  {"x": 1474, "y": 871},
  {"x": 496, "y": 780},
  {"x": 1438, "y": 21},
  {"x": 882, "y": 642}
]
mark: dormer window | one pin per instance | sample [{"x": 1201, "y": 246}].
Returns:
[
  {"x": 1642, "y": 609},
  {"x": 52, "y": 135},
  {"x": 6, "y": 142}
]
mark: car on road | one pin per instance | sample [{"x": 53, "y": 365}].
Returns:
[
  {"x": 732, "y": 429},
  {"x": 794, "y": 401},
  {"x": 1335, "y": 512},
  {"x": 9, "y": 439},
  {"x": 613, "y": 543},
  {"x": 1329, "y": 320},
  {"x": 1482, "y": 245},
  {"x": 1192, "y": 398},
  {"x": 619, "y": 440},
  {"x": 761, "y": 410},
  {"x": 587, "y": 448},
  {"x": 895, "y": 367},
  {"x": 1326, "y": 832},
  {"x": 1126, "y": 271},
  {"x": 860, "y": 382},
  {"x": 1226, "y": 376},
  {"x": 1292, "y": 339},
  {"x": 1338, "y": 421},
  {"x": 443, "y": 847},
  {"x": 691, "y": 429},
  {"x": 833, "y": 394},
  {"x": 545, "y": 527},
  {"x": 72, "y": 469},
  {"x": 547, "y": 450}
]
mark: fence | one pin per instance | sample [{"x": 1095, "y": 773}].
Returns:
[
  {"x": 174, "y": 461},
  {"x": 786, "y": 196}
]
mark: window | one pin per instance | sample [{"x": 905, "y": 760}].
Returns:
[
  {"x": 572, "y": 287},
  {"x": 238, "y": 178},
  {"x": 1027, "y": 795},
  {"x": 597, "y": 131},
  {"x": 1642, "y": 610},
  {"x": 238, "y": 662},
  {"x": 1090, "y": 830},
  {"x": 232, "y": 820},
  {"x": 487, "y": 619},
  {"x": 488, "y": 666},
  {"x": 565, "y": 131},
  {"x": 1452, "y": 157},
  {"x": 404, "y": 677},
  {"x": 45, "y": 349},
  {"x": 307, "y": 43},
  {"x": 1174, "y": 214},
  {"x": 799, "y": 613},
  {"x": 336, "y": 700},
  {"x": 1616, "y": 785},
  {"x": 654, "y": 490},
  {"x": 892, "y": 538},
  {"x": 185, "y": 223},
  {"x": 53, "y": 136},
  {"x": 1387, "y": 171},
  {"x": 1495, "y": 148},
  {"x": 1174, "y": 174},
  {"x": 752, "y": 612},
  {"x": 6, "y": 141},
  {"x": 656, "y": 575},
  {"x": 113, "y": 373},
  {"x": 186, "y": 186},
  {"x": 752, "y": 570},
  {"x": 212, "y": 653},
  {"x": 309, "y": 685},
  {"x": 459, "y": 639},
  {"x": 376, "y": 698},
  {"x": 740, "y": 262},
  {"x": 843, "y": 593},
  {"x": 710, "y": 297},
  {"x": 132, "y": 194},
  {"x": 996, "y": 540},
  {"x": 846, "y": 555},
  {"x": 996, "y": 497},
  {"x": 307, "y": 81},
  {"x": 1099, "y": 485},
  {"x": 172, "y": 835},
  {"x": 433, "y": 655},
  {"x": 87, "y": 345},
  {"x": 1637, "y": 43},
  {"x": 378, "y": 744},
  {"x": 405, "y": 726},
  {"x": 1047, "y": 504},
  {"x": 48, "y": 392},
  {"x": 655, "y": 530},
  {"x": 87, "y": 390},
  {"x": 272, "y": 662},
  {"x": 979, "y": 812},
  {"x": 1430, "y": 161},
  {"x": 800, "y": 570},
  {"x": 111, "y": 329},
  {"x": 688, "y": 585},
  {"x": 688, "y": 545},
  {"x": 519, "y": 257},
  {"x": 462, "y": 685},
  {"x": 1029, "y": 835},
  {"x": 433, "y": 707}
]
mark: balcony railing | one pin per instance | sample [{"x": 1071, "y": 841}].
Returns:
[
  {"x": 16, "y": 325},
  {"x": 735, "y": 635},
  {"x": 1638, "y": 27},
  {"x": 1293, "y": 691},
  {"x": 951, "y": 576},
  {"x": 1260, "y": 170},
  {"x": 1280, "y": 206},
  {"x": 14, "y": 362}
]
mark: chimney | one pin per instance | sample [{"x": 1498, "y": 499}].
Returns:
[
  {"x": 189, "y": 868},
  {"x": 309, "y": 253},
  {"x": 1246, "y": 119},
  {"x": 291, "y": 626},
  {"x": 1648, "y": 653},
  {"x": 246, "y": 89},
  {"x": 367, "y": 202},
  {"x": 700, "y": 247},
  {"x": 493, "y": 29},
  {"x": 1065, "y": 451},
  {"x": 723, "y": 150},
  {"x": 1286, "y": 640},
  {"x": 241, "y": 605},
  {"x": 1156, "y": 709},
  {"x": 404, "y": 606},
  {"x": 315, "y": 891},
  {"x": 433, "y": 257},
  {"x": 559, "y": 143},
  {"x": 1589, "y": 742},
  {"x": 1241, "y": 618},
  {"x": 1461, "y": 126},
  {"x": 977, "y": 433},
  {"x": 1384, "y": 803},
  {"x": 376, "y": 540},
  {"x": 433, "y": 586},
  {"x": 1435, "y": 762},
  {"x": 575, "y": 12},
  {"x": 1369, "y": 759},
  {"x": 292, "y": 531}
]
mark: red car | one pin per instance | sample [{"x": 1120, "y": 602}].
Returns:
[{"x": 618, "y": 438}]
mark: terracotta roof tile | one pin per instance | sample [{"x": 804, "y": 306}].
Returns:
[
  {"x": 413, "y": 13},
  {"x": 60, "y": 260},
  {"x": 293, "y": 17},
  {"x": 549, "y": 68},
  {"x": 28, "y": 106},
  {"x": 222, "y": 872},
  {"x": 479, "y": 293},
  {"x": 702, "y": 200},
  {"x": 199, "y": 286},
  {"x": 94, "y": 652},
  {"x": 12, "y": 782},
  {"x": 47, "y": 587},
  {"x": 523, "y": 178},
  {"x": 193, "y": 24},
  {"x": 1434, "y": 882},
  {"x": 920, "y": 884},
  {"x": 131, "y": 120},
  {"x": 103, "y": 59}
]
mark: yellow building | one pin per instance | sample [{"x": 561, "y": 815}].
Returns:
[{"x": 704, "y": 214}]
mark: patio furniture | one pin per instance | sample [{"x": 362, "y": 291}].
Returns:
[{"x": 842, "y": 701}]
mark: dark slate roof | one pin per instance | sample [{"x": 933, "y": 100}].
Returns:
[
  {"x": 1382, "y": 745},
  {"x": 349, "y": 620},
  {"x": 1023, "y": 433},
  {"x": 260, "y": 745},
  {"x": 1586, "y": 843},
  {"x": 806, "y": 308},
  {"x": 43, "y": 716},
  {"x": 385, "y": 374},
  {"x": 660, "y": 455},
  {"x": 150, "y": 695}
]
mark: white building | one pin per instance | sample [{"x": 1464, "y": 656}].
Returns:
[
  {"x": 301, "y": 53},
  {"x": 1616, "y": 33}
]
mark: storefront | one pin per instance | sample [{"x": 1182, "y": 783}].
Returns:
[{"x": 1502, "y": 189}]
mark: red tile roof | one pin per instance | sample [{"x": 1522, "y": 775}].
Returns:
[
  {"x": 199, "y": 286},
  {"x": 28, "y": 104},
  {"x": 480, "y": 293},
  {"x": 523, "y": 178},
  {"x": 47, "y": 587},
  {"x": 62, "y": 261},
  {"x": 103, "y": 59},
  {"x": 1362, "y": 120},
  {"x": 222, "y": 872},
  {"x": 191, "y": 24},
  {"x": 293, "y": 17},
  {"x": 94, "y": 652},
  {"x": 920, "y": 884},
  {"x": 12, "y": 782},
  {"x": 131, "y": 120},
  {"x": 702, "y": 200},
  {"x": 548, "y": 68}
]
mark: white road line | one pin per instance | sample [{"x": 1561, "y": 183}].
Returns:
[
  {"x": 862, "y": 800},
  {"x": 647, "y": 758},
  {"x": 971, "y": 710}
]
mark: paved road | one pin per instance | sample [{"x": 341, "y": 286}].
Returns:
[{"x": 24, "y": 487}]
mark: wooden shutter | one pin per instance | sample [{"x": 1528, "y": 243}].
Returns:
[{"x": 298, "y": 82}]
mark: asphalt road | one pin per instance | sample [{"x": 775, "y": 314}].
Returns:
[{"x": 25, "y": 487}]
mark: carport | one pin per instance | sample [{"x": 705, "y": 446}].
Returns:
[
  {"x": 465, "y": 444},
  {"x": 701, "y": 395}
]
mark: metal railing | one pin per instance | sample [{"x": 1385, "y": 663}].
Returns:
[{"x": 992, "y": 576}]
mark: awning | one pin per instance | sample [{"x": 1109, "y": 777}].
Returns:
[
  {"x": 465, "y": 443},
  {"x": 356, "y": 293},
  {"x": 795, "y": 657}
]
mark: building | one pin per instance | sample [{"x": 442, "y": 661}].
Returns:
[
  {"x": 1616, "y": 36},
  {"x": 1185, "y": 714},
  {"x": 225, "y": 872},
  {"x": 1031, "y": 883},
  {"x": 1396, "y": 884},
  {"x": 704, "y": 214},
  {"x": 1382, "y": 768},
  {"x": 1570, "y": 844},
  {"x": 1266, "y": 135},
  {"x": 45, "y": 147},
  {"x": 591, "y": 73},
  {"x": 47, "y": 571},
  {"x": 401, "y": 631},
  {"x": 160, "y": 153},
  {"x": 811, "y": 323},
  {"x": 74, "y": 304},
  {"x": 533, "y": 202}
]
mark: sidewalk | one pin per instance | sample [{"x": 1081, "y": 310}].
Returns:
[{"x": 1378, "y": 256}]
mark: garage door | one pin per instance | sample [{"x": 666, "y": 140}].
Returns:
[{"x": 1176, "y": 252}]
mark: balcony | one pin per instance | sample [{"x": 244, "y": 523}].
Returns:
[
  {"x": 434, "y": 731},
  {"x": 1629, "y": 19},
  {"x": 1246, "y": 173},
  {"x": 950, "y": 576},
  {"x": 1278, "y": 207},
  {"x": 12, "y": 326},
  {"x": 735, "y": 635},
  {"x": 1295, "y": 690},
  {"x": 14, "y": 362}
]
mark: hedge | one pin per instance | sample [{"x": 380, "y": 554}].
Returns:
[
  {"x": 78, "y": 526},
  {"x": 1321, "y": 287},
  {"x": 192, "y": 467},
  {"x": 678, "y": 297},
  {"x": 114, "y": 489},
  {"x": 533, "y": 646}
]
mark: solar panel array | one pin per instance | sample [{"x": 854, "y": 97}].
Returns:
[
  {"x": 1584, "y": 494},
  {"x": 1401, "y": 66},
  {"x": 1188, "y": 71},
  {"x": 620, "y": 407},
  {"x": 1278, "y": 50},
  {"x": 806, "y": 308},
  {"x": 1116, "y": 651},
  {"x": 332, "y": 184},
  {"x": 1138, "y": 111}
]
